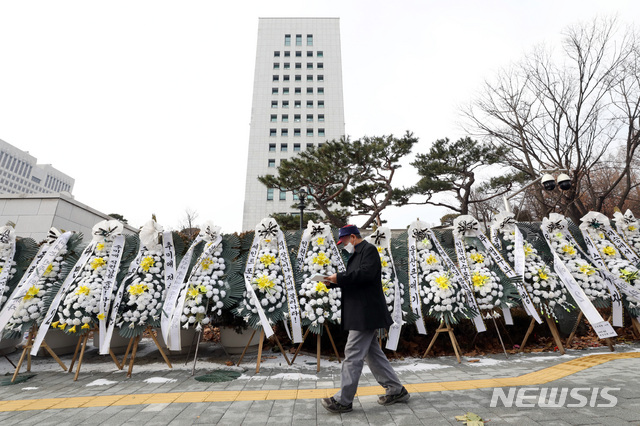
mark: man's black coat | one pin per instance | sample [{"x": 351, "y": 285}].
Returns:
[{"x": 363, "y": 303}]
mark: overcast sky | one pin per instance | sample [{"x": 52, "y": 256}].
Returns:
[{"x": 146, "y": 104}]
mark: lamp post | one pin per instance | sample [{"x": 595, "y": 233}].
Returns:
[{"x": 302, "y": 195}]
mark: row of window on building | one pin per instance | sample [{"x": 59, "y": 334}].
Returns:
[
  {"x": 282, "y": 196},
  {"x": 287, "y": 39},
  {"x": 297, "y": 77},
  {"x": 298, "y": 65},
  {"x": 15, "y": 165},
  {"x": 296, "y": 132},
  {"x": 284, "y": 147},
  {"x": 296, "y": 118},
  {"x": 298, "y": 54},
  {"x": 297, "y": 104},
  {"x": 297, "y": 90}
]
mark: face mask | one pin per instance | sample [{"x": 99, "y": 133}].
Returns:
[{"x": 349, "y": 248}]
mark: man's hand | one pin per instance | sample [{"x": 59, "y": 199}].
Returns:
[{"x": 333, "y": 279}]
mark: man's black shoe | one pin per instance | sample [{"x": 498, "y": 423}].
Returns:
[
  {"x": 334, "y": 406},
  {"x": 403, "y": 396}
]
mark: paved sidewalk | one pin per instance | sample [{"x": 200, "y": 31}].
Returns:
[{"x": 285, "y": 395}]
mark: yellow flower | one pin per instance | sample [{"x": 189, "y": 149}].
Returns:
[
  {"x": 609, "y": 251},
  {"x": 137, "y": 289},
  {"x": 383, "y": 263},
  {"x": 528, "y": 249},
  {"x": 321, "y": 287},
  {"x": 558, "y": 234},
  {"x": 477, "y": 257},
  {"x": 62, "y": 326},
  {"x": 147, "y": 263},
  {"x": 202, "y": 289},
  {"x": 265, "y": 283},
  {"x": 627, "y": 275},
  {"x": 542, "y": 274},
  {"x": 443, "y": 282},
  {"x": 83, "y": 289},
  {"x": 632, "y": 228},
  {"x": 73, "y": 329},
  {"x": 320, "y": 241},
  {"x": 321, "y": 259},
  {"x": 569, "y": 249},
  {"x": 1, "y": 270},
  {"x": 48, "y": 270},
  {"x": 425, "y": 241},
  {"x": 207, "y": 262},
  {"x": 192, "y": 293},
  {"x": 101, "y": 317},
  {"x": 267, "y": 259},
  {"x": 379, "y": 249},
  {"x": 55, "y": 324},
  {"x": 32, "y": 292},
  {"x": 587, "y": 269},
  {"x": 385, "y": 286},
  {"x": 479, "y": 280},
  {"x": 97, "y": 262},
  {"x": 99, "y": 246},
  {"x": 431, "y": 259},
  {"x": 86, "y": 325}
]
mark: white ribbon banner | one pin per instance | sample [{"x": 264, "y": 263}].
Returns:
[
  {"x": 509, "y": 272},
  {"x": 113, "y": 265},
  {"x": 602, "y": 328},
  {"x": 175, "y": 338},
  {"x": 519, "y": 260},
  {"x": 396, "y": 315},
  {"x": 248, "y": 278},
  {"x": 51, "y": 312},
  {"x": 174, "y": 285},
  {"x": 43, "y": 259},
  {"x": 118, "y": 300},
  {"x": 622, "y": 246},
  {"x": 414, "y": 286},
  {"x": 290, "y": 286},
  {"x": 464, "y": 281},
  {"x": 607, "y": 277}
]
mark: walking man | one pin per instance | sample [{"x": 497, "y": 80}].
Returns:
[{"x": 364, "y": 311}]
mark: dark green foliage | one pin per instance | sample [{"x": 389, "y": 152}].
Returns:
[
  {"x": 218, "y": 376},
  {"x": 353, "y": 175}
]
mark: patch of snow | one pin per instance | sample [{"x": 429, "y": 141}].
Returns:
[
  {"x": 102, "y": 382},
  {"x": 294, "y": 376},
  {"x": 159, "y": 380},
  {"x": 29, "y": 388}
]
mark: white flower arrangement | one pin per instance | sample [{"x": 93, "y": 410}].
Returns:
[
  {"x": 319, "y": 304},
  {"x": 617, "y": 264},
  {"x": 442, "y": 297},
  {"x": 267, "y": 281},
  {"x": 542, "y": 284},
  {"x": 629, "y": 228},
  {"x": 79, "y": 310},
  {"x": 143, "y": 296},
  {"x": 31, "y": 308},
  {"x": 582, "y": 271},
  {"x": 486, "y": 285},
  {"x": 389, "y": 280},
  {"x": 7, "y": 261}
]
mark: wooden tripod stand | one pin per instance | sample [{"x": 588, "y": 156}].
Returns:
[
  {"x": 445, "y": 328},
  {"x": 318, "y": 346},
  {"x": 554, "y": 332},
  {"x": 260, "y": 349},
  {"x": 575, "y": 328},
  {"x": 26, "y": 351},
  {"x": 134, "y": 341},
  {"x": 82, "y": 342}
]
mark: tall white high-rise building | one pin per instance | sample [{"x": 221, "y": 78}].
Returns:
[
  {"x": 297, "y": 103},
  {"x": 20, "y": 173}
]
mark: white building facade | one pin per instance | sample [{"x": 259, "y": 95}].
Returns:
[
  {"x": 297, "y": 103},
  {"x": 20, "y": 173}
]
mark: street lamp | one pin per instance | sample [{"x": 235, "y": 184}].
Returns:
[
  {"x": 548, "y": 183},
  {"x": 302, "y": 195}
]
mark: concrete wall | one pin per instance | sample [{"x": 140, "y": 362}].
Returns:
[{"x": 35, "y": 214}]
